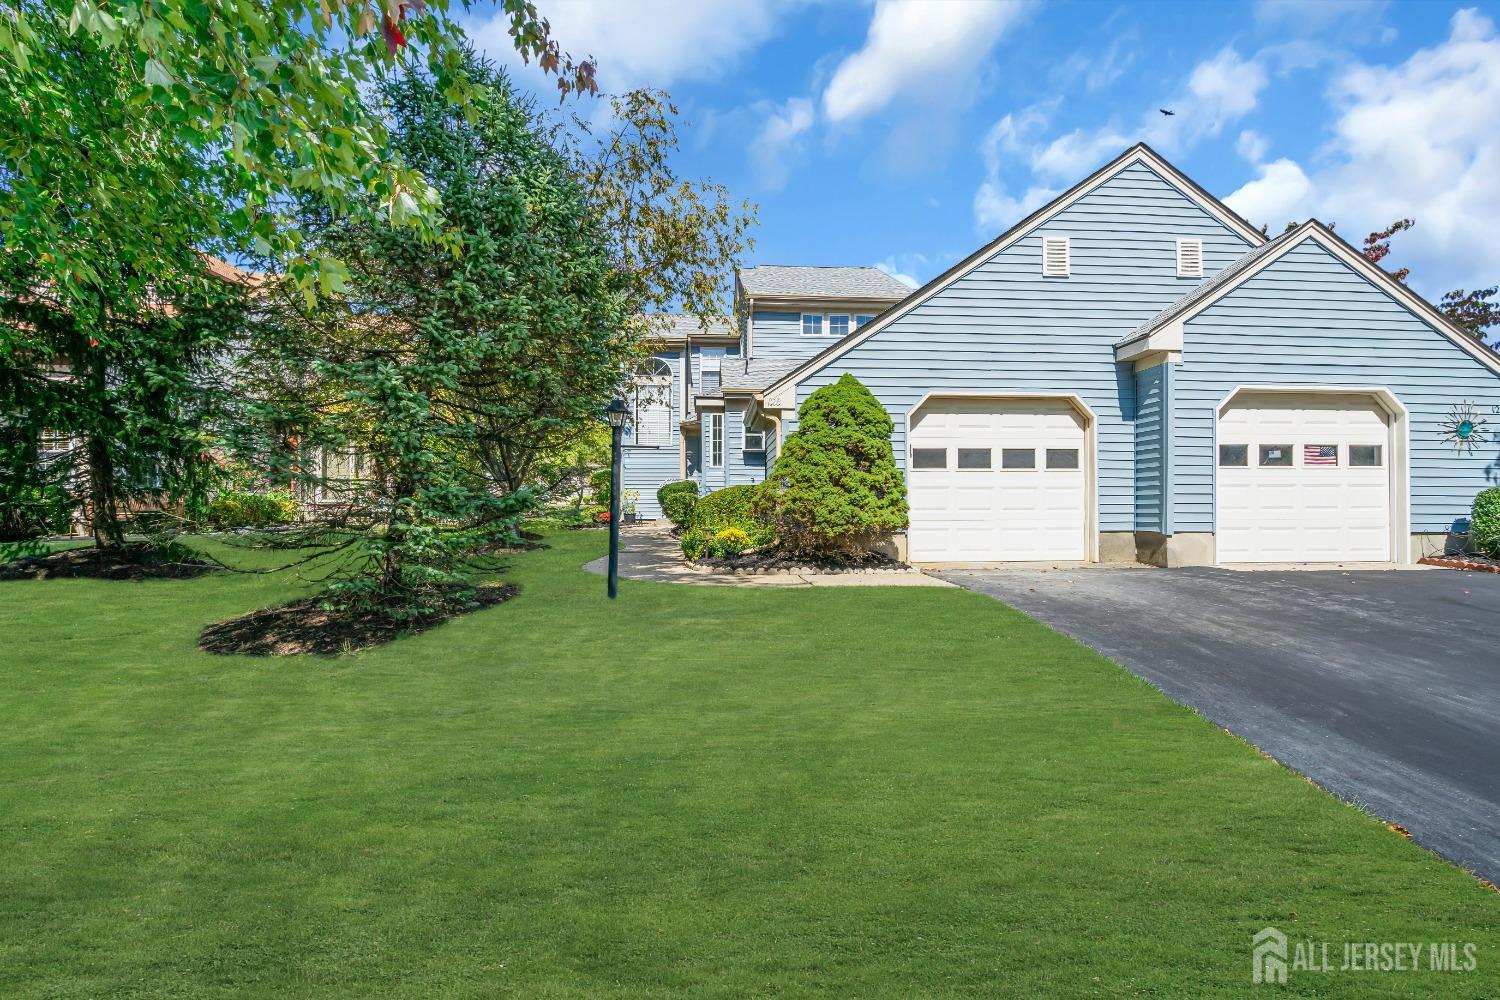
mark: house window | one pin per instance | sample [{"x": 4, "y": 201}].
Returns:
[
  {"x": 1055, "y": 257},
  {"x": 1062, "y": 458},
  {"x": 1275, "y": 456},
  {"x": 1018, "y": 458},
  {"x": 1189, "y": 258},
  {"x": 812, "y": 324},
  {"x": 713, "y": 440},
  {"x": 651, "y": 405},
  {"x": 53, "y": 445},
  {"x": 1234, "y": 456},
  {"x": 973, "y": 458},
  {"x": 1364, "y": 456},
  {"x": 929, "y": 458},
  {"x": 838, "y": 324},
  {"x": 861, "y": 319},
  {"x": 753, "y": 441}
]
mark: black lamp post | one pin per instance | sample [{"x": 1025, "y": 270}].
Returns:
[{"x": 615, "y": 414}]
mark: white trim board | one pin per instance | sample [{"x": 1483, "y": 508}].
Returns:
[{"x": 1138, "y": 154}]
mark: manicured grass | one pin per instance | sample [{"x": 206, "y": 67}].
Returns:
[{"x": 686, "y": 792}]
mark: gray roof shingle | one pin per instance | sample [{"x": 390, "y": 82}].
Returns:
[
  {"x": 739, "y": 374},
  {"x": 822, "y": 282},
  {"x": 680, "y": 326}
]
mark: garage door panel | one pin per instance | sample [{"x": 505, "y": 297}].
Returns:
[
  {"x": 997, "y": 514},
  {"x": 1311, "y": 511}
]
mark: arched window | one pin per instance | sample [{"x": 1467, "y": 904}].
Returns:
[{"x": 651, "y": 404}]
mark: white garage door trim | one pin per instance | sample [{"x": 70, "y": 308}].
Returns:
[
  {"x": 1090, "y": 459},
  {"x": 1398, "y": 449}
]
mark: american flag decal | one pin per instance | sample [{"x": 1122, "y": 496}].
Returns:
[{"x": 1320, "y": 454}]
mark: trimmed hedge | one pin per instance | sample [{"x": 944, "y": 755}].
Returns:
[
  {"x": 678, "y": 500},
  {"x": 1484, "y": 522},
  {"x": 835, "y": 487},
  {"x": 249, "y": 509},
  {"x": 733, "y": 507}
]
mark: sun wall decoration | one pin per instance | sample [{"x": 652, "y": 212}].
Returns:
[{"x": 1465, "y": 429}]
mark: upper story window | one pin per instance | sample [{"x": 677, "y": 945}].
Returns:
[
  {"x": 651, "y": 404},
  {"x": 1055, "y": 257},
  {"x": 831, "y": 324},
  {"x": 862, "y": 318},
  {"x": 1189, "y": 258}
]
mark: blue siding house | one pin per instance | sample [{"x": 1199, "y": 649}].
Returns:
[{"x": 1133, "y": 372}]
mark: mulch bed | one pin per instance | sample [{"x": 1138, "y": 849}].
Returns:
[
  {"x": 306, "y": 626},
  {"x": 1473, "y": 563},
  {"x": 133, "y": 561},
  {"x": 778, "y": 562}
]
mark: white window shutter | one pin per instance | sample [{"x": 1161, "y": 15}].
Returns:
[
  {"x": 1054, "y": 256},
  {"x": 1189, "y": 258}
]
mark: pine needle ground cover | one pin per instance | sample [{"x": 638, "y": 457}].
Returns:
[{"x": 686, "y": 792}]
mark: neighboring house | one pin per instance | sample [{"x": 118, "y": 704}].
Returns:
[
  {"x": 696, "y": 408},
  {"x": 1134, "y": 371}
]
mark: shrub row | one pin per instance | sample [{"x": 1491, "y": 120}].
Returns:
[{"x": 1484, "y": 522}]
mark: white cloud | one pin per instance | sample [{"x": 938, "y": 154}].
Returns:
[
  {"x": 995, "y": 209},
  {"x": 644, "y": 43},
  {"x": 916, "y": 48},
  {"x": 778, "y": 143},
  {"x": 1252, "y": 146},
  {"x": 889, "y": 266},
  {"x": 1415, "y": 140},
  {"x": 1280, "y": 194}
]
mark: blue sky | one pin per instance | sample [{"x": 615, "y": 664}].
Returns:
[{"x": 906, "y": 133}]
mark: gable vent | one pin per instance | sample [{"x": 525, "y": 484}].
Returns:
[
  {"x": 1054, "y": 256},
  {"x": 1189, "y": 258}
]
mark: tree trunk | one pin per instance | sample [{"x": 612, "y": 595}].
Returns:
[{"x": 104, "y": 501}]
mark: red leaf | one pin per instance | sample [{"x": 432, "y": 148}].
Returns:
[{"x": 393, "y": 37}]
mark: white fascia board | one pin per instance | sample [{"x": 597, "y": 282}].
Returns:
[{"x": 1167, "y": 338}]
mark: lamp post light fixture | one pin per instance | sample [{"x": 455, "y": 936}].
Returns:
[{"x": 615, "y": 413}]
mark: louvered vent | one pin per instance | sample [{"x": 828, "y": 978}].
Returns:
[
  {"x": 1189, "y": 258},
  {"x": 1054, "y": 256}
]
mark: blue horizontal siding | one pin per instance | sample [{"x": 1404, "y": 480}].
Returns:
[
  {"x": 779, "y": 335},
  {"x": 1003, "y": 327},
  {"x": 1150, "y": 449},
  {"x": 1310, "y": 319}
]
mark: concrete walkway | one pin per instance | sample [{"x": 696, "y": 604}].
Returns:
[{"x": 649, "y": 552}]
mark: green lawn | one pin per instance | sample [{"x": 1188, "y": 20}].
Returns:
[{"x": 689, "y": 791}]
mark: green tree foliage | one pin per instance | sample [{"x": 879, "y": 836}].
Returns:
[
  {"x": 125, "y": 398},
  {"x": 675, "y": 241},
  {"x": 1484, "y": 522},
  {"x": 447, "y": 371},
  {"x": 835, "y": 487}
]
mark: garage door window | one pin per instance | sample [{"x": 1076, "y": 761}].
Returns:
[
  {"x": 1366, "y": 456},
  {"x": 1275, "y": 456},
  {"x": 929, "y": 458},
  {"x": 1234, "y": 456},
  {"x": 1062, "y": 458},
  {"x": 973, "y": 458},
  {"x": 1320, "y": 456},
  {"x": 1018, "y": 458}
]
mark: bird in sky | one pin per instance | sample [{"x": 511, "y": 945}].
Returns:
[{"x": 1164, "y": 111}]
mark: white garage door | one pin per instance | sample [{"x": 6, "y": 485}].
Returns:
[
  {"x": 1303, "y": 478},
  {"x": 996, "y": 480}
]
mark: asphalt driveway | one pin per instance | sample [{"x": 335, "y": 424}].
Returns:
[{"x": 1383, "y": 687}]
